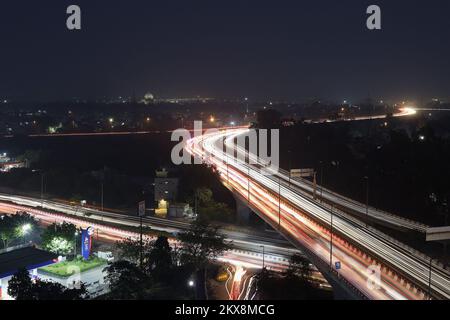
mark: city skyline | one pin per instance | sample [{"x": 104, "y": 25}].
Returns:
[{"x": 287, "y": 52}]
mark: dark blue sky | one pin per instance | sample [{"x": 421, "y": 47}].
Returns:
[{"x": 261, "y": 49}]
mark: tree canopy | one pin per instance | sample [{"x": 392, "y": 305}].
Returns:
[
  {"x": 20, "y": 287},
  {"x": 59, "y": 238},
  {"x": 201, "y": 244},
  {"x": 127, "y": 281},
  {"x": 210, "y": 209},
  {"x": 15, "y": 227},
  {"x": 161, "y": 276}
]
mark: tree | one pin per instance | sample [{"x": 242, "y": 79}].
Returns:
[
  {"x": 160, "y": 260},
  {"x": 130, "y": 249},
  {"x": 127, "y": 281},
  {"x": 268, "y": 119},
  {"x": 59, "y": 238},
  {"x": 23, "y": 224},
  {"x": 6, "y": 230},
  {"x": 46, "y": 290},
  {"x": 298, "y": 267},
  {"x": 59, "y": 245},
  {"x": 15, "y": 226},
  {"x": 204, "y": 195},
  {"x": 161, "y": 275},
  {"x": 30, "y": 157},
  {"x": 20, "y": 286},
  {"x": 209, "y": 209},
  {"x": 201, "y": 244},
  {"x": 292, "y": 284},
  {"x": 158, "y": 256}
]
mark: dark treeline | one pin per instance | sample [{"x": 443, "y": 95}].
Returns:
[
  {"x": 74, "y": 168},
  {"x": 406, "y": 161}
]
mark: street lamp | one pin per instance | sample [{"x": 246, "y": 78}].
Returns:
[
  {"x": 228, "y": 173},
  {"x": 42, "y": 189},
  {"x": 102, "y": 196},
  {"x": 191, "y": 285},
  {"x": 26, "y": 228},
  {"x": 321, "y": 181},
  {"x": 279, "y": 202},
  {"x": 331, "y": 238},
  {"x": 429, "y": 279},
  {"x": 42, "y": 185},
  {"x": 263, "y": 263},
  {"x": 290, "y": 167},
  {"x": 75, "y": 246},
  {"x": 367, "y": 195},
  {"x": 248, "y": 183}
]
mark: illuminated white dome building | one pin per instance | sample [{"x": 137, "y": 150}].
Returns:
[{"x": 148, "y": 98}]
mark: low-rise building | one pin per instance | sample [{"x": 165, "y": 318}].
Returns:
[
  {"x": 166, "y": 190},
  {"x": 179, "y": 210},
  {"x": 30, "y": 258},
  {"x": 7, "y": 163}
]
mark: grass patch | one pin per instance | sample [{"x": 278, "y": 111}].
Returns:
[{"x": 68, "y": 268}]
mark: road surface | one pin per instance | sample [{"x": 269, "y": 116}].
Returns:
[
  {"x": 403, "y": 273},
  {"x": 246, "y": 253}
]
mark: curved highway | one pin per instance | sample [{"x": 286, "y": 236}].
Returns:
[{"x": 403, "y": 274}]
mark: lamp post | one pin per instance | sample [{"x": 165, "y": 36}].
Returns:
[
  {"x": 141, "y": 212},
  {"x": 321, "y": 181},
  {"x": 279, "y": 202},
  {"x": 25, "y": 229},
  {"x": 290, "y": 167},
  {"x": 263, "y": 262},
  {"x": 429, "y": 279},
  {"x": 248, "y": 184},
  {"x": 102, "y": 187},
  {"x": 331, "y": 239},
  {"x": 191, "y": 285},
  {"x": 227, "y": 159},
  {"x": 367, "y": 196},
  {"x": 42, "y": 187},
  {"x": 75, "y": 246},
  {"x": 101, "y": 197}
]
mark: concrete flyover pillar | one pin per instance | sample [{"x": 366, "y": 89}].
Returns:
[{"x": 242, "y": 211}]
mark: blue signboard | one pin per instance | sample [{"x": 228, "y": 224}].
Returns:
[
  {"x": 86, "y": 242},
  {"x": 337, "y": 264}
]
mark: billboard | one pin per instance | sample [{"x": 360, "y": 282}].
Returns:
[
  {"x": 86, "y": 242},
  {"x": 301, "y": 173},
  {"x": 438, "y": 234},
  {"x": 141, "y": 209}
]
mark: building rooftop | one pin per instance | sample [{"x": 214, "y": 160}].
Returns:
[{"x": 29, "y": 258}]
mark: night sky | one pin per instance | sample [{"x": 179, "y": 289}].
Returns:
[{"x": 290, "y": 50}]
